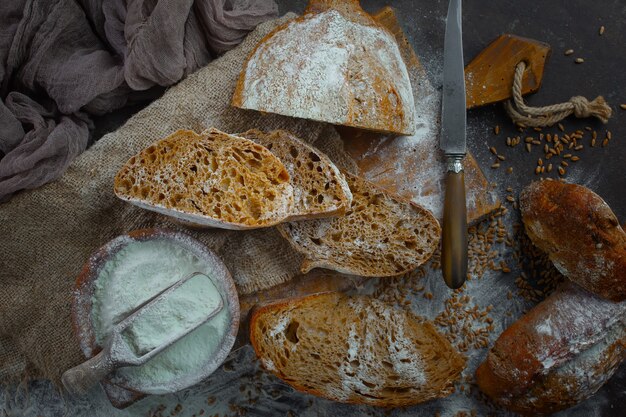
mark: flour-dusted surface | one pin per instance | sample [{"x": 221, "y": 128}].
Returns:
[
  {"x": 558, "y": 354},
  {"x": 579, "y": 320},
  {"x": 241, "y": 387},
  {"x": 329, "y": 68},
  {"x": 405, "y": 360},
  {"x": 420, "y": 177}
]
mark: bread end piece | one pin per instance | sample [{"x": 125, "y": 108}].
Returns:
[
  {"x": 557, "y": 355},
  {"x": 365, "y": 82},
  {"x": 580, "y": 234}
]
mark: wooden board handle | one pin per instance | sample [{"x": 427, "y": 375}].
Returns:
[
  {"x": 79, "y": 380},
  {"x": 454, "y": 238}
]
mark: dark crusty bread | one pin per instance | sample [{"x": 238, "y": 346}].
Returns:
[
  {"x": 214, "y": 179},
  {"x": 580, "y": 234},
  {"x": 558, "y": 354},
  {"x": 354, "y": 350},
  {"x": 320, "y": 190},
  {"x": 380, "y": 235}
]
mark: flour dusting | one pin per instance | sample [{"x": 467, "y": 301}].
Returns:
[
  {"x": 175, "y": 313},
  {"x": 418, "y": 169},
  {"x": 333, "y": 66},
  {"x": 362, "y": 372}
]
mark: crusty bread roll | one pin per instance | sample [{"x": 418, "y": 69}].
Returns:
[
  {"x": 212, "y": 180},
  {"x": 558, "y": 354},
  {"x": 380, "y": 235},
  {"x": 320, "y": 190},
  {"x": 354, "y": 350},
  {"x": 580, "y": 234},
  {"x": 334, "y": 64}
]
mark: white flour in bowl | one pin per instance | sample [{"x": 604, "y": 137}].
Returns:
[
  {"x": 174, "y": 313},
  {"x": 137, "y": 273}
]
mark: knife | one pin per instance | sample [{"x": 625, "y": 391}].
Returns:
[{"x": 452, "y": 143}]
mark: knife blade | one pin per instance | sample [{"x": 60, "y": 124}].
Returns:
[{"x": 453, "y": 143}]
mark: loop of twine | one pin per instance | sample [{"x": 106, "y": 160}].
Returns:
[{"x": 528, "y": 116}]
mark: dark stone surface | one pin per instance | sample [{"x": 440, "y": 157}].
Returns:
[{"x": 573, "y": 24}]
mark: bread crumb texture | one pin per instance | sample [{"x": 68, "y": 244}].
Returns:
[
  {"x": 214, "y": 179},
  {"x": 329, "y": 68},
  {"x": 318, "y": 186},
  {"x": 355, "y": 350},
  {"x": 380, "y": 235}
]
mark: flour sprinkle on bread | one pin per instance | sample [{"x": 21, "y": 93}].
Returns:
[
  {"x": 337, "y": 66},
  {"x": 558, "y": 354},
  {"x": 355, "y": 350}
]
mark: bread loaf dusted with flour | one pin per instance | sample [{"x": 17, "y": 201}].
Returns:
[
  {"x": 580, "y": 234},
  {"x": 354, "y": 350},
  {"x": 214, "y": 180},
  {"x": 320, "y": 190},
  {"x": 334, "y": 64},
  {"x": 558, "y": 354},
  {"x": 380, "y": 235}
]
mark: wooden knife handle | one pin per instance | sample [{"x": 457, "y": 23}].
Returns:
[
  {"x": 79, "y": 380},
  {"x": 454, "y": 239}
]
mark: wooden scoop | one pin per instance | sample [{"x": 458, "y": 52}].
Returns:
[{"x": 119, "y": 350}]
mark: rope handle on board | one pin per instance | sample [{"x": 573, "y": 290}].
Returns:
[{"x": 528, "y": 116}]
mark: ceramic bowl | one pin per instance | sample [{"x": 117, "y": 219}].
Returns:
[{"x": 82, "y": 308}]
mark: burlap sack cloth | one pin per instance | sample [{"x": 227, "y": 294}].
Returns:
[{"x": 46, "y": 235}]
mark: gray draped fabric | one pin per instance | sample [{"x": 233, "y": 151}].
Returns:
[{"x": 64, "y": 60}]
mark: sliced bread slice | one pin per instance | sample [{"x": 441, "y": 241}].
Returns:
[
  {"x": 380, "y": 235},
  {"x": 212, "y": 180},
  {"x": 320, "y": 190},
  {"x": 354, "y": 350}
]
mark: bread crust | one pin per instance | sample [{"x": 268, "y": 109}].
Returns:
[
  {"x": 580, "y": 234},
  {"x": 445, "y": 353},
  {"x": 370, "y": 96},
  {"x": 558, "y": 354}
]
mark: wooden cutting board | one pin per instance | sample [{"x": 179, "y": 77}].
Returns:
[{"x": 413, "y": 167}]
